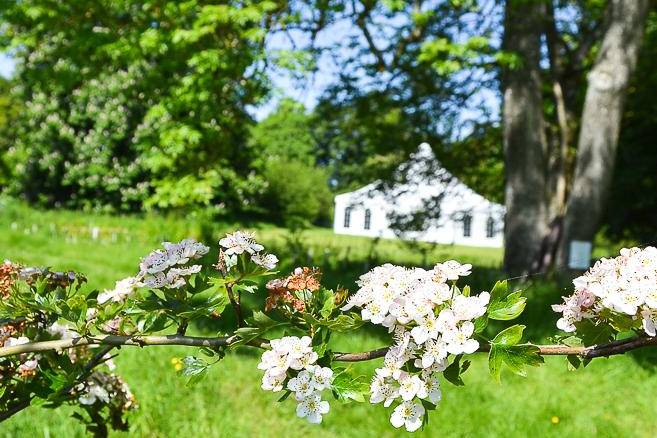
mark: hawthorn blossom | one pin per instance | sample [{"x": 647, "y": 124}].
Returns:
[
  {"x": 408, "y": 414},
  {"x": 240, "y": 242},
  {"x": 459, "y": 341},
  {"x": 165, "y": 268},
  {"x": 432, "y": 385},
  {"x": 122, "y": 289},
  {"x": 301, "y": 385},
  {"x": 312, "y": 408},
  {"x": 93, "y": 392},
  {"x": 266, "y": 261},
  {"x": 62, "y": 331},
  {"x": 426, "y": 330},
  {"x": 624, "y": 285},
  {"x": 411, "y": 386},
  {"x": 381, "y": 391},
  {"x": 429, "y": 320},
  {"x": 272, "y": 381},
  {"x": 291, "y": 353},
  {"x": 28, "y": 367},
  {"x": 452, "y": 270},
  {"x": 434, "y": 352},
  {"x": 321, "y": 377},
  {"x": 649, "y": 321}
]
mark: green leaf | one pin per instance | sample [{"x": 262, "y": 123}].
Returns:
[
  {"x": 592, "y": 333},
  {"x": 453, "y": 372},
  {"x": 499, "y": 291},
  {"x": 194, "y": 368},
  {"x": 347, "y": 387},
  {"x": 328, "y": 303},
  {"x": 508, "y": 308},
  {"x": 480, "y": 324},
  {"x": 509, "y": 336},
  {"x": 515, "y": 357}
]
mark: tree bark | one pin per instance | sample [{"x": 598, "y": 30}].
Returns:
[
  {"x": 525, "y": 144},
  {"x": 601, "y": 118}
]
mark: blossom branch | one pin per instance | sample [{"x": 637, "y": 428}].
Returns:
[
  {"x": 138, "y": 341},
  {"x": 590, "y": 352},
  {"x": 602, "y": 350}
]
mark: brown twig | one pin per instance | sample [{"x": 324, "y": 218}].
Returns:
[
  {"x": 138, "y": 341},
  {"x": 237, "y": 306},
  {"x": 590, "y": 352}
]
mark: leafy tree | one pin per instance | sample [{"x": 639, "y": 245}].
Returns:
[
  {"x": 406, "y": 69},
  {"x": 297, "y": 194},
  {"x": 131, "y": 104},
  {"x": 286, "y": 134},
  {"x": 8, "y": 113}
]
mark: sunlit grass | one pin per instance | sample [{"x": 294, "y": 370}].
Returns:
[{"x": 612, "y": 397}]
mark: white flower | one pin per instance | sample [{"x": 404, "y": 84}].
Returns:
[
  {"x": 411, "y": 386},
  {"x": 459, "y": 341},
  {"x": 181, "y": 252},
  {"x": 391, "y": 366},
  {"x": 240, "y": 242},
  {"x": 158, "y": 269},
  {"x": 649, "y": 322},
  {"x": 312, "y": 408},
  {"x": 408, "y": 414},
  {"x": 469, "y": 308},
  {"x": 434, "y": 351},
  {"x": 428, "y": 329},
  {"x": 626, "y": 284},
  {"x": 625, "y": 301},
  {"x": 63, "y": 331},
  {"x": 322, "y": 377},
  {"x": 301, "y": 385},
  {"x": 373, "y": 312},
  {"x": 94, "y": 393},
  {"x": 156, "y": 261},
  {"x": 304, "y": 361},
  {"x": 381, "y": 391},
  {"x": 267, "y": 261},
  {"x": 273, "y": 381},
  {"x": 122, "y": 289},
  {"x": 433, "y": 389},
  {"x": 452, "y": 270}
]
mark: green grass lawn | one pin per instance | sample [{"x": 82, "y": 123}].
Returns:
[{"x": 611, "y": 397}]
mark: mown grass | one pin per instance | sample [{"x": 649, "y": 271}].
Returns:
[{"x": 611, "y": 397}]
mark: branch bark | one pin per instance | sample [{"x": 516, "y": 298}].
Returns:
[
  {"x": 525, "y": 143},
  {"x": 601, "y": 350}
]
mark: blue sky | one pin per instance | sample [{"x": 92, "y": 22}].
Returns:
[
  {"x": 309, "y": 88},
  {"x": 6, "y": 65}
]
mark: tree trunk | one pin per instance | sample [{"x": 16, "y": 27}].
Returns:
[
  {"x": 525, "y": 145},
  {"x": 601, "y": 118}
]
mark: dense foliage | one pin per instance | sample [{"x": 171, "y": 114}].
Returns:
[{"x": 129, "y": 104}]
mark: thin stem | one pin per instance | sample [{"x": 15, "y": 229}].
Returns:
[
  {"x": 237, "y": 307},
  {"x": 601, "y": 350}
]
